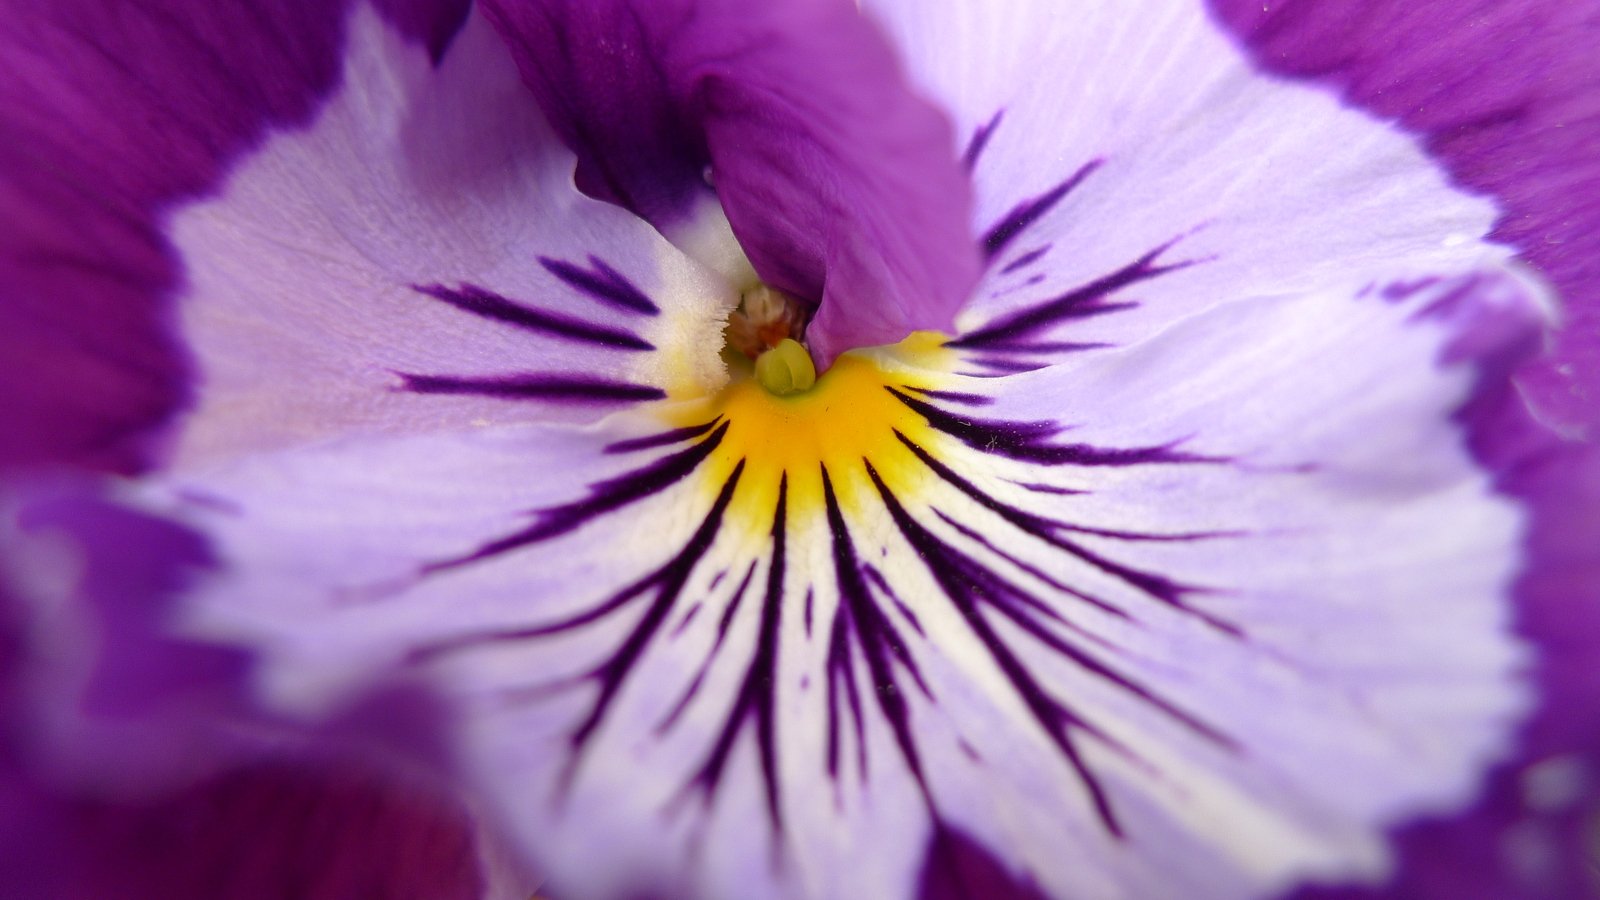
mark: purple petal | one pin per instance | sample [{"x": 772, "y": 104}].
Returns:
[
  {"x": 103, "y": 686},
  {"x": 109, "y": 113},
  {"x": 1507, "y": 96},
  {"x": 135, "y": 763},
  {"x": 841, "y": 185},
  {"x": 326, "y": 832}
]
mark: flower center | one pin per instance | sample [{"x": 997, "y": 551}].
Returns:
[
  {"x": 766, "y": 330},
  {"x": 850, "y": 419}
]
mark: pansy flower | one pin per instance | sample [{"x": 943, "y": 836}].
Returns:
[{"x": 797, "y": 451}]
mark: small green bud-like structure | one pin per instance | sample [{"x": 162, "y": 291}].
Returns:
[{"x": 786, "y": 368}]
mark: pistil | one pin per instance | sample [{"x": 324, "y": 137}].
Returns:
[{"x": 767, "y": 329}]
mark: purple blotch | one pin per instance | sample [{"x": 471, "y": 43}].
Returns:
[
  {"x": 604, "y": 497},
  {"x": 693, "y": 689},
  {"x": 1400, "y": 290},
  {"x": 956, "y": 867},
  {"x": 882, "y": 584},
  {"x": 953, "y": 396},
  {"x": 1000, "y": 367},
  {"x": 756, "y": 702},
  {"x": 1027, "y": 441},
  {"x": 688, "y": 617},
  {"x": 1047, "y": 347},
  {"x": 963, "y": 583},
  {"x": 1152, "y": 585},
  {"x": 1039, "y": 488},
  {"x": 662, "y": 439},
  {"x": 861, "y": 627},
  {"x": 1039, "y": 605},
  {"x": 667, "y": 582},
  {"x": 576, "y": 389}
]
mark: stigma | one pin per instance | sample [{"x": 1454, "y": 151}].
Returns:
[{"x": 767, "y": 330}]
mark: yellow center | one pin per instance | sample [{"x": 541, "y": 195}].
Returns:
[{"x": 845, "y": 420}]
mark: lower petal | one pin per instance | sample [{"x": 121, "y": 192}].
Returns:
[{"x": 750, "y": 646}]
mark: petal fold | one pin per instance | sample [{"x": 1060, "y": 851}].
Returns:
[{"x": 841, "y": 185}]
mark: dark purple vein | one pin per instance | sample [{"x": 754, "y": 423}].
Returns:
[
  {"x": 1029, "y": 211},
  {"x": 488, "y": 305},
  {"x": 602, "y": 283},
  {"x": 534, "y": 386}
]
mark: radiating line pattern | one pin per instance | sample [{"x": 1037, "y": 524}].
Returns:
[
  {"x": 597, "y": 282},
  {"x": 871, "y": 670},
  {"x": 862, "y": 612}
]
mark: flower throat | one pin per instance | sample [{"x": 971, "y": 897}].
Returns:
[{"x": 763, "y": 338}]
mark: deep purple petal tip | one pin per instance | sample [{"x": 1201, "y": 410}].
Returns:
[{"x": 1506, "y": 95}]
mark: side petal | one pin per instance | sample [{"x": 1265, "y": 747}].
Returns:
[
  {"x": 416, "y": 257},
  {"x": 840, "y": 184},
  {"x": 1531, "y": 833},
  {"x": 1505, "y": 96},
  {"x": 1133, "y": 169},
  {"x": 108, "y": 114}
]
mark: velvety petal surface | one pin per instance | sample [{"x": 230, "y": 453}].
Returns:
[
  {"x": 841, "y": 185},
  {"x": 108, "y": 114},
  {"x": 1507, "y": 98}
]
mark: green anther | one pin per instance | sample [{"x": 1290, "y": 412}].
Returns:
[{"x": 786, "y": 369}]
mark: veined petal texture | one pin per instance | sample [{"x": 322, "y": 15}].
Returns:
[{"x": 1168, "y": 572}]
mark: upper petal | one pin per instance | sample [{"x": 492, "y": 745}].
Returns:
[{"x": 840, "y": 184}]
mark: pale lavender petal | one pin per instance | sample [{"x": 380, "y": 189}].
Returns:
[
  {"x": 1198, "y": 183},
  {"x": 1092, "y": 610},
  {"x": 417, "y": 257},
  {"x": 841, "y": 185}
]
